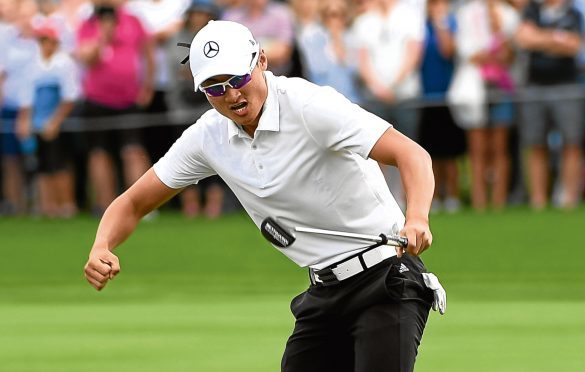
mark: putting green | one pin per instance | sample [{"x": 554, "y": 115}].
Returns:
[{"x": 196, "y": 295}]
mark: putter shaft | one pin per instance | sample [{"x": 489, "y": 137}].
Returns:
[{"x": 393, "y": 240}]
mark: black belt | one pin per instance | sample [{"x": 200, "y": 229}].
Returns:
[{"x": 353, "y": 265}]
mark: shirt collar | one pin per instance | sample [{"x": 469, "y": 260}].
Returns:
[{"x": 269, "y": 119}]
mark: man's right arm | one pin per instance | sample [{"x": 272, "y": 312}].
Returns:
[
  {"x": 118, "y": 223},
  {"x": 416, "y": 173}
]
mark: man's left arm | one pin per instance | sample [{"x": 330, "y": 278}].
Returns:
[{"x": 416, "y": 171}]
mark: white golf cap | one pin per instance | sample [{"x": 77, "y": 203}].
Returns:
[{"x": 221, "y": 48}]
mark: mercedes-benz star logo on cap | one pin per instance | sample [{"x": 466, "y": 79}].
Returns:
[{"x": 210, "y": 49}]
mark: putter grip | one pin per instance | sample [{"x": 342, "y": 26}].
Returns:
[{"x": 402, "y": 240}]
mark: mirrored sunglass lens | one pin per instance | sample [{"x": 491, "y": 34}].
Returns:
[
  {"x": 215, "y": 91},
  {"x": 239, "y": 81}
]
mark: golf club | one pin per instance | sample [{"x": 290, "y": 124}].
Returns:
[{"x": 277, "y": 234}]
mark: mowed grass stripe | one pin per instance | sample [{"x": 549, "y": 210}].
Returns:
[
  {"x": 510, "y": 256},
  {"x": 209, "y": 336},
  {"x": 248, "y": 334},
  {"x": 505, "y": 337},
  {"x": 197, "y": 295}
]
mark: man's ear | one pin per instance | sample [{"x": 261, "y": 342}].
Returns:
[{"x": 263, "y": 61}]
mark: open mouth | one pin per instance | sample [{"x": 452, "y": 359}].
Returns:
[{"x": 239, "y": 107}]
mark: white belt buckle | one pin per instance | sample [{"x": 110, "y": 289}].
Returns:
[
  {"x": 377, "y": 255},
  {"x": 348, "y": 269}
]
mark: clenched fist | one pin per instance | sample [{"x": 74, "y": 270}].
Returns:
[
  {"x": 101, "y": 267},
  {"x": 419, "y": 236}
]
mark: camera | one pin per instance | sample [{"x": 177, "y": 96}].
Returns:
[{"x": 105, "y": 12}]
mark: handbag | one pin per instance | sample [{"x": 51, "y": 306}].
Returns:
[{"x": 466, "y": 97}]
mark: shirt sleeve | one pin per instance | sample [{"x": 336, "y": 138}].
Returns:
[
  {"x": 69, "y": 80},
  {"x": 413, "y": 22},
  {"x": 26, "y": 89},
  {"x": 339, "y": 125},
  {"x": 84, "y": 33},
  {"x": 184, "y": 163},
  {"x": 512, "y": 21},
  {"x": 142, "y": 33}
]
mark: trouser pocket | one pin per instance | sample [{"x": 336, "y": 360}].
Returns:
[{"x": 405, "y": 282}]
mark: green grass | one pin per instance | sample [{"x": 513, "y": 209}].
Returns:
[{"x": 196, "y": 295}]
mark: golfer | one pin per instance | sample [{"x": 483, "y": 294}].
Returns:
[{"x": 305, "y": 156}]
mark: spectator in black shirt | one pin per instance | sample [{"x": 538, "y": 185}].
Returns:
[{"x": 551, "y": 34}]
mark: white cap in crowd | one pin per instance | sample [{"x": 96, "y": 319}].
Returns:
[{"x": 222, "y": 48}]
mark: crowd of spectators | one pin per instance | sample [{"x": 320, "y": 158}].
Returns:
[{"x": 93, "y": 92}]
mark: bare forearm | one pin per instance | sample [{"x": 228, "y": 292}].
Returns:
[
  {"x": 415, "y": 166},
  {"x": 565, "y": 44},
  {"x": 446, "y": 42},
  {"x": 89, "y": 54},
  {"x": 117, "y": 224},
  {"x": 62, "y": 112},
  {"x": 122, "y": 216},
  {"x": 549, "y": 41},
  {"x": 150, "y": 70},
  {"x": 23, "y": 123},
  {"x": 416, "y": 173},
  {"x": 119, "y": 221},
  {"x": 419, "y": 183}
]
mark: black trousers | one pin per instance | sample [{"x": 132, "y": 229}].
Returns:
[{"x": 372, "y": 322}]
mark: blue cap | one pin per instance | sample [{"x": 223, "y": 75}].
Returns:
[{"x": 207, "y": 6}]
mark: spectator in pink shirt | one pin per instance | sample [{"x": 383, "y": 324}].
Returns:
[{"x": 112, "y": 46}]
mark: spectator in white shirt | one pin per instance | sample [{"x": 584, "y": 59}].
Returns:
[{"x": 48, "y": 96}]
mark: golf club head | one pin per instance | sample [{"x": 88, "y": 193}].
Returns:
[{"x": 276, "y": 233}]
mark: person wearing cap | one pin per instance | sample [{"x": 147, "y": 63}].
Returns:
[
  {"x": 48, "y": 94},
  {"x": 207, "y": 197},
  {"x": 208, "y": 7},
  {"x": 306, "y": 156}
]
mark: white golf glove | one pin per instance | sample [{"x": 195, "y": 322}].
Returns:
[{"x": 440, "y": 301}]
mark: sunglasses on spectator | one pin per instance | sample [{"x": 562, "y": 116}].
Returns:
[{"x": 235, "y": 82}]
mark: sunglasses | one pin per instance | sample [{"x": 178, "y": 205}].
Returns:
[
  {"x": 235, "y": 82},
  {"x": 219, "y": 89}
]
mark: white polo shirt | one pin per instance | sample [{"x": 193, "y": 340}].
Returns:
[
  {"x": 306, "y": 166},
  {"x": 385, "y": 38},
  {"x": 60, "y": 70},
  {"x": 15, "y": 57}
]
